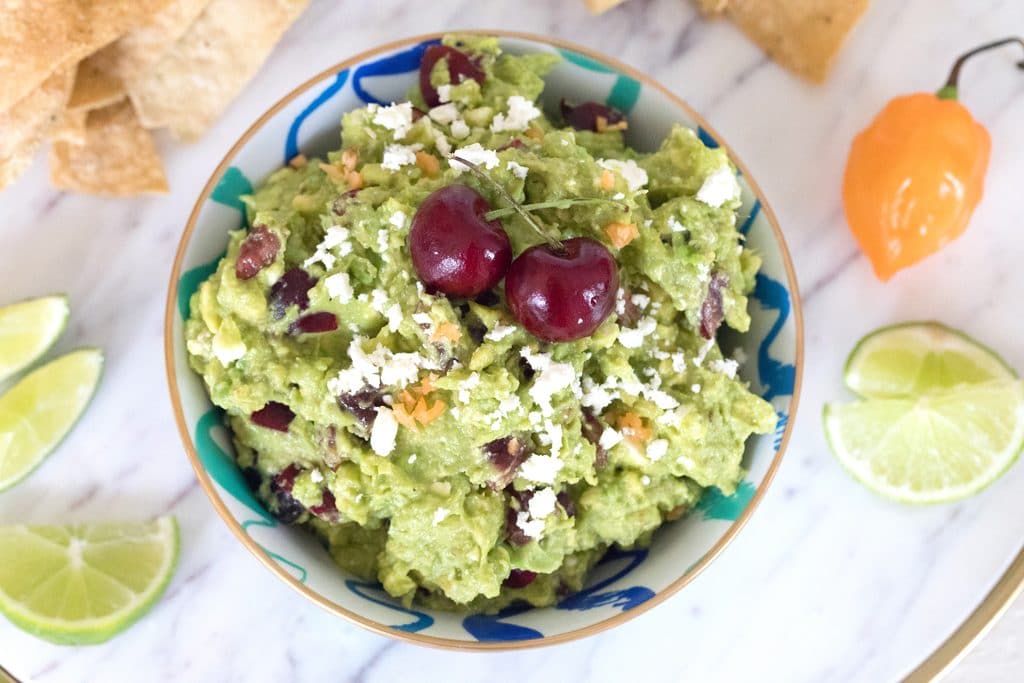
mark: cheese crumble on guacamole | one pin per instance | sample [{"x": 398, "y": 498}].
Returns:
[{"x": 476, "y": 347}]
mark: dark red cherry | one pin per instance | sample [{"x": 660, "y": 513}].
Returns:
[
  {"x": 454, "y": 249},
  {"x": 561, "y": 295},
  {"x": 257, "y": 251},
  {"x": 274, "y": 415},
  {"x": 314, "y": 323},
  {"x": 519, "y": 578},
  {"x": 711, "y": 312},
  {"x": 460, "y": 68},
  {"x": 291, "y": 290},
  {"x": 584, "y": 116}
]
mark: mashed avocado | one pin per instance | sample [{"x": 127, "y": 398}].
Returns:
[{"x": 432, "y": 443}]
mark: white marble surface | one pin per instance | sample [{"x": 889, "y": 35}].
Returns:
[{"x": 826, "y": 583}]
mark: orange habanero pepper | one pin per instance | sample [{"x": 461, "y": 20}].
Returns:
[{"x": 916, "y": 173}]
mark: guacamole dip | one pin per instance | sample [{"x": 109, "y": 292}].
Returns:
[{"x": 431, "y": 441}]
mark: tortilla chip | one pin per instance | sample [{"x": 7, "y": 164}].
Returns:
[
  {"x": 210, "y": 64},
  {"x": 71, "y": 127},
  {"x": 711, "y": 8},
  {"x": 118, "y": 157},
  {"x": 130, "y": 56},
  {"x": 40, "y": 35},
  {"x": 801, "y": 35},
  {"x": 24, "y": 126},
  {"x": 599, "y": 6},
  {"x": 94, "y": 88}
]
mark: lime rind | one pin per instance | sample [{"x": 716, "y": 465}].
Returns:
[
  {"x": 9, "y": 476},
  {"x": 100, "y": 629},
  {"x": 912, "y": 358},
  {"x": 50, "y": 313}
]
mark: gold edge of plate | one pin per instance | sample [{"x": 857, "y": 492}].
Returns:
[
  {"x": 959, "y": 643},
  {"x": 432, "y": 641}
]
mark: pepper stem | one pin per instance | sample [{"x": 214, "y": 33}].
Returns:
[
  {"x": 950, "y": 90},
  {"x": 516, "y": 206}
]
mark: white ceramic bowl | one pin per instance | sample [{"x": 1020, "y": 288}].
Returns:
[{"x": 625, "y": 583}]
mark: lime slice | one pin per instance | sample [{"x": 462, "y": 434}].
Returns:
[
  {"x": 934, "y": 448},
  {"x": 84, "y": 584},
  {"x": 39, "y": 411},
  {"x": 914, "y": 358},
  {"x": 27, "y": 330}
]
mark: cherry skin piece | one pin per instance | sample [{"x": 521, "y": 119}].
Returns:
[
  {"x": 584, "y": 116},
  {"x": 292, "y": 289},
  {"x": 562, "y": 295},
  {"x": 274, "y": 415},
  {"x": 454, "y": 249},
  {"x": 519, "y": 578},
  {"x": 314, "y": 323},
  {"x": 460, "y": 68},
  {"x": 257, "y": 251}
]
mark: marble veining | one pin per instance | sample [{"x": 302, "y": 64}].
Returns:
[{"x": 827, "y": 582}]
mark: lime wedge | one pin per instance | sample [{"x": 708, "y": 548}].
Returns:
[
  {"x": 914, "y": 358},
  {"x": 84, "y": 584},
  {"x": 934, "y": 448},
  {"x": 27, "y": 330},
  {"x": 39, "y": 411}
]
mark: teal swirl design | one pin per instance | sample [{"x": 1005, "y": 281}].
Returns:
[{"x": 624, "y": 93}]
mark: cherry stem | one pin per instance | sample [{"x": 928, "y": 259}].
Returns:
[
  {"x": 514, "y": 205},
  {"x": 949, "y": 91},
  {"x": 553, "y": 204}
]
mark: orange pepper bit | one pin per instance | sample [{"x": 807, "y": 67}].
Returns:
[
  {"x": 447, "y": 330},
  {"x": 915, "y": 175},
  {"x": 607, "y": 181},
  {"x": 633, "y": 428},
  {"x": 349, "y": 159},
  {"x": 533, "y": 133},
  {"x": 412, "y": 410},
  {"x": 298, "y": 161},
  {"x": 602, "y": 125},
  {"x": 428, "y": 163},
  {"x": 621, "y": 234}
]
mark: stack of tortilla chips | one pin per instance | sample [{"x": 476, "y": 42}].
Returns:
[
  {"x": 94, "y": 76},
  {"x": 802, "y": 35}
]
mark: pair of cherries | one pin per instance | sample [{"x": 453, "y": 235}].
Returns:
[{"x": 557, "y": 291}]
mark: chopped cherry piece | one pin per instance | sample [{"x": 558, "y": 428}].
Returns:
[
  {"x": 631, "y": 313},
  {"x": 252, "y": 477},
  {"x": 514, "y": 143},
  {"x": 454, "y": 249},
  {"x": 592, "y": 431},
  {"x": 274, "y": 415},
  {"x": 460, "y": 68},
  {"x": 258, "y": 250},
  {"x": 326, "y": 509},
  {"x": 314, "y": 323},
  {"x": 567, "y": 503},
  {"x": 362, "y": 404},
  {"x": 515, "y": 535},
  {"x": 506, "y": 454},
  {"x": 711, "y": 312},
  {"x": 340, "y": 205},
  {"x": 288, "y": 510},
  {"x": 519, "y": 578},
  {"x": 285, "y": 479},
  {"x": 584, "y": 116},
  {"x": 561, "y": 295},
  {"x": 291, "y": 290}
]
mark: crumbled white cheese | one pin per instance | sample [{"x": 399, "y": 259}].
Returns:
[
  {"x": 474, "y": 154},
  {"x": 380, "y": 367},
  {"x": 634, "y": 176},
  {"x": 412, "y": 458},
  {"x": 533, "y": 528},
  {"x": 661, "y": 399},
  {"x": 467, "y": 386},
  {"x": 440, "y": 514},
  {"x": 384, "y": 432},
  {"x": 645, "y": 480},
  {"x": 535, "y": 418},
  {"x": 518, "y": 170},
  {"x": 554, "y": 434},
  {"x": 597, "y": 396},
  {"x": 338, "y": 287},
  {"x": 678, "y": 362},
  {"x": 316, "y": 476},
  {"x": 725, "y": 367},
  {"x": 633, "y": 337},
  {"x": 619, "y": 195},
  {"x": 227, "y": 345},
  {"x": 394, "y": 316},
  {"x": 336, "y": 238},
  {"x": 640, "y": 300},
  {"x": 609, "y": 438},
  {"x": 382, "y": 242},
  {"x": 397, "y": 117},
  {"x": 499, "y": 332},
  {"x": 423, "y": 319},
  {"x": 695, "y": 388},
  {"x": 460, "y": 129},
  {"x": 656, "y": 449},
  {"x": 442, "y": 144},
  {"x": 509, "y": 404},
  {"x": 542, "y": 469},
  {"x": 520, "y": 112},
  {"x": 398, "y": 219},
  {"x": 553, "y": 377},
  {"x": 444, "y": 93},
  {"x": 719, "y": 187},
  {"x": 444, "y": 114},
  {"x": 402, "y": 369},
  {"x": 542, "y": 503},
  {"x": 397, "y": 156},
  {"x": 674, "y": 225}
]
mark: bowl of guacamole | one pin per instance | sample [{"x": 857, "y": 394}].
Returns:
[{"x": 482, "y": 339}]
